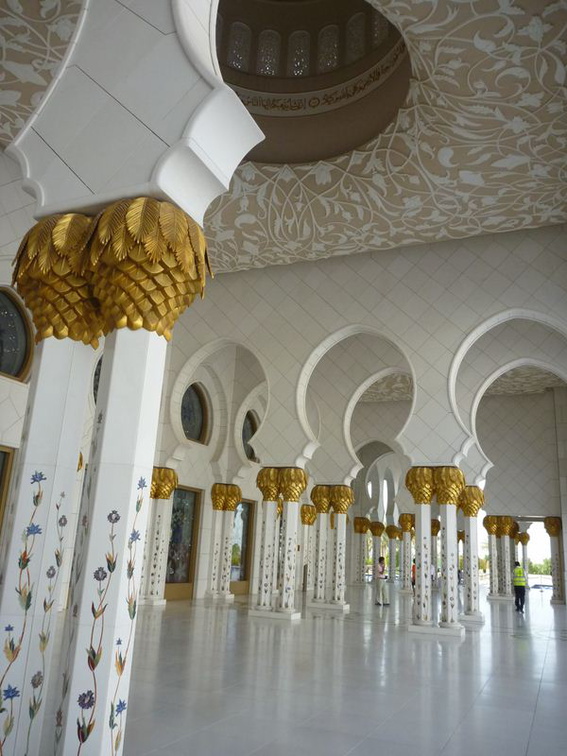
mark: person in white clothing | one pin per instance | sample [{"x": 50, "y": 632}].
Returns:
[{"x": 381, "y": 585}]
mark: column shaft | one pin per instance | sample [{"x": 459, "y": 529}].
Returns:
[
  {"x": 37, "y": 535},
  {"x": 321, "y": 525},
  {"x": 267, "y": 556},
  {"x": 472, "y": 585},
  {"x": 506, "y": 567},
  {"x": 406, "y": 562},
  {"x": 558, "y": 596},
  {"x": 101, "y": 626},
  {"x": 525, "y": 560},
  {"x": 226, "y": 555},
  {"x": 493, "y": 559},
  {"x": 422, "y": 603},
  {"x": 339, "y": 582},
  {"x": 216, "y": 553},
  {"x": 286, "y": 600},
  {"x": 449, "y": 566},
  {"x": 392, "y": 560},
  {"x": 159, "y": 532}
]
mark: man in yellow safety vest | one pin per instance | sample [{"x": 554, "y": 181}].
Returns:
[{"x": 519, "y": 586}]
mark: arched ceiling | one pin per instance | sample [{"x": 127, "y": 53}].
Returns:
[
  {"x": 34, "y": 37},
  {"x": 521, "y": 380}
]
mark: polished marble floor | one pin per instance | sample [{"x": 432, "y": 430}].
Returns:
[{"x": 209, "y": 681}]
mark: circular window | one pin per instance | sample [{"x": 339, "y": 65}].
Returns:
[
  {"x": 194, "y": 414},
  {"x": 14, "y": 337},
  {"x": 249, "y": 428}
]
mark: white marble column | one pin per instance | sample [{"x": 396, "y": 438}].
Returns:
[
  {"x": 154, "y": 570},
  {"x": 524, "y": 540},
  {"x": 419, "y": 482},
  {"x": 321, "y": 498},
  {"x": 232, "y": 500},
  {"x": 406, "y": 524},
  {"x": 490, "y": 523},
  {"x": 102, "y": 621},
  {"x": 360, "y": 527},
  {"x": 435, "y": 528},
  {"x": 292, "y": 482},
  {"x": 449, "y": 482},
  {"x": 267, "y": 482},
  {"x": 553, "y": 528},
  {"x": 218, "y": 492},
  {"x": 471, "y": 502},
  {"x": 308, "y": 518},
  {"x": 278, "y": 549},
  {"x": 37, "y": 532},
  {"x": 376, "y": 528},
  {"x": 341, "y": 499},
  {"x": 506, "y": 525},
  {"x": 392, "y": 532}
]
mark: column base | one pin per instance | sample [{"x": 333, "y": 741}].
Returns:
[
  {"x": 148, "y": 601},
  {"x": 225, "y": 598},
  {"x": 277, "y": 614},
  {"x": 476, "y": 617},
  {"x": 498, "y": 597},
  {"x": 560, "y": 602},
  {"x": 405, "y": 592},
  {"x": 440, "y": 631},
  {"x": 331, "y": 605}
]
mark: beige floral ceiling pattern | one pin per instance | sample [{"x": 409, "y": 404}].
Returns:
[
  {"x": 34, "y": 36},
  {"x": 480, "y": 146},
  {"x": 521, "y": 380}
]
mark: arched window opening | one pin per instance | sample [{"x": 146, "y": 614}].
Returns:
[
  {"x": 249, "y": 428},
  {"x": 15, "y": 341},
  {"x": 195, "y": 414}
]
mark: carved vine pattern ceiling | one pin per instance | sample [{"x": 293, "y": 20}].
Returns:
[
  {"x": 521, "y": 380},
  {"x": 479, "y": 147},
  {"x": 34, "y": 37}
]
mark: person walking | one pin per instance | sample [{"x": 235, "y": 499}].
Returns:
[
  {"x": 519, "y": 587},
  {"x": 382, "y": 596}
]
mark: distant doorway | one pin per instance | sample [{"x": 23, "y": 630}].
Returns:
[
  {"x": 242, "y": 548},
  {"x": 182, "y": 552}
]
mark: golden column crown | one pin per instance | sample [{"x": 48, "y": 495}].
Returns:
[
  {"x": 490, "y": 522},
  {"x": 506, "y": 525},
  {"x": 292, "y": 483},
  {"x": 471, "y": 500},
  {"x": 218, "y": 494},
  {"x": 267, "y": 481},
  {"x": 461, "y": 535},
  {"x": 341, "y": 498},
  {"x": 321, "y": 497},
  {"x": 399, "y": 534},
  {"x": 524, "y": 538},
  {"x": 419, "y": 482},
  {"x": 435, "y": 527},
  {"x": 233, "y": 497},
  {"x": 515, "y": 530},
  {"x": 164, "y": 482},
  {"x": 449, "y": 482},
  {"x": 49, "y": 275},
  {"x": 377, "y": 528},
  {"x": 147, "y": 261},
  {"x": 391, "y": 531},
  {"x": 361, "y": 525},
  {"x": 308, "y": 514},
  {"x": 406, "y": 522},
  {"x": 552, "y": 525},
  {"x": 279, "y": 510}
]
